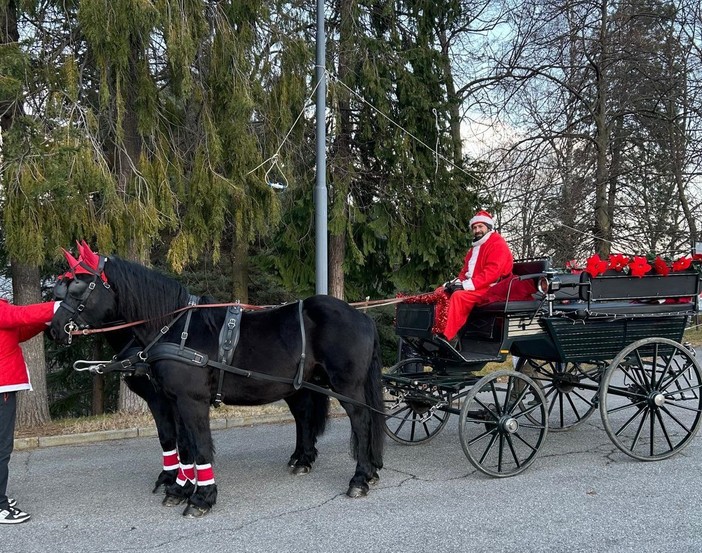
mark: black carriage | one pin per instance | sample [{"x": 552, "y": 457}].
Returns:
[{"x": 613, "y": 342}]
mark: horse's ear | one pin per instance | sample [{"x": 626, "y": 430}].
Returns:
[
  {"x": 87, "y": 255},
  {"x": 72, "y": 261}
]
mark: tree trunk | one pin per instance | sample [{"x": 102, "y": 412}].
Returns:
[
  {"x": 603, "y": 228},
  {"x": 239, "y": 255},
  {"x": 127, "y": 155},
  {"x": 32, "y": 407},
  {"x": 340, "y": 170},
  {"x": 337, "y": 252}
]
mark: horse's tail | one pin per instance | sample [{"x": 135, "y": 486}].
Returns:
[{"x": 374, "y": 398}]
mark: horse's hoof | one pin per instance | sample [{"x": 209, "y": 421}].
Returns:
[
  {"x": 301, "y": 469},
  {"x": 357, "y": 491},
  {"x": 173, "y": 501},
  {"x": 193, "y": 511},
  {"x": 374, "y": 479}
]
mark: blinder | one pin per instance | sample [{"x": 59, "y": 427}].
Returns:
[{"x": 60, "y": 289}]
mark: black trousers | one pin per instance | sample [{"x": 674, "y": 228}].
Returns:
[{"x": 8, "y": 415}]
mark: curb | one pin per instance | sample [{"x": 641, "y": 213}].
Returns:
[{"x": 38, "y": 442}]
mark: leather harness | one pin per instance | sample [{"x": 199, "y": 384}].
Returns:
[{"x": 133, "y": 360}]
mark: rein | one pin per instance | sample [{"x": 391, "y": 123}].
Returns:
[{"x": 362, "y": 305}]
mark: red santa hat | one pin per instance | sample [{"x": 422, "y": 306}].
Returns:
[{"x": 482, "y": 217}]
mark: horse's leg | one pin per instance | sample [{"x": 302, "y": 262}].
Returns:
[
  {"x": 183, "y": 486},
  {"x": 367, "y": 420},
  {"x": 310, "y": 410},
  {"x": 162, "y": 412},
  {"x": 195, "y": 415},
  {"x": 360, "y": 437}
]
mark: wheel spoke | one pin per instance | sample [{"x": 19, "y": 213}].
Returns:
[
  {"x": 533, "y": 449},
  {"x": 664, "y": 430},
  {"x": 626, "y": 406},
  {"x": 638, "y": 430},
  {"x": 489, "y": 446},
  {"x": 631, "y": 419},
  {"x": 645, "y": 384},
  {"x": 514, "y": 453},
  {"x": 680, "y": 423}
]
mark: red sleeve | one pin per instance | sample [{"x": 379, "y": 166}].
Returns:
[
  {"x": 30, "y": 331},
  {"x": 12, "y": 316},
  {"x": 497, "y": 264}
]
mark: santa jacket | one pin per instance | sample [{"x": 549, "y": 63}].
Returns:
[
  {"x": 17, "y": 324},
  {"x": 486, "y": 262}
]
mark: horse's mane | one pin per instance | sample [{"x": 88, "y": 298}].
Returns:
[{"x": 144, "y": 293}]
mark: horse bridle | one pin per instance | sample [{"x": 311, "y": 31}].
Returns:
[{"x": 77, "y": 319}]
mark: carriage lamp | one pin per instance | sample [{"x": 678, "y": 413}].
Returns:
[
  {"x": 549, "y": 284},
  {"x": 543, "y": 285}
]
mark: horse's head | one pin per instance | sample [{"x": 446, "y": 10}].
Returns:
[{"x": 87, "y": 300}]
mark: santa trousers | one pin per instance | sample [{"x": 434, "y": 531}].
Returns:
[{"x": 461, "y": 304}]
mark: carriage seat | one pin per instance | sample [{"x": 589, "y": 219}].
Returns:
[{"x": 525, "y": 269}]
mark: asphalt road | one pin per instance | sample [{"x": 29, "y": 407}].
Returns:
[{"x": 581, "y": 494}]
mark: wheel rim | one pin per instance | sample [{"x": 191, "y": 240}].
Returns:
[
  {"x": 651, "y": 402},
  {"x": 569, "y": 404},
  {"x": 500, "y": 431},
  {"x": 415, "y": 420}
]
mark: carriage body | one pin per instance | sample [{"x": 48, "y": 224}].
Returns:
[{"x": 575, "y": 343}]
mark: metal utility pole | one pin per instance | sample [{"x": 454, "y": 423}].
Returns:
[{"x": 320, "y": 188}]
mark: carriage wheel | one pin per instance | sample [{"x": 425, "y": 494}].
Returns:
[
  {"x": 415, "y": 419},
  {"x": 501, "y": 431},
  {"x": 651, "y": 399},
  {"x": 569, "y": 404}
]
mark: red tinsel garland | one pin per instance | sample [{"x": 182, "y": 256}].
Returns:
[{"x": 440, "y": 299}]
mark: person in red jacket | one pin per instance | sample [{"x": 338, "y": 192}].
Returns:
[
  {"x": 17, "y": 324},
  {"x": 488, "y": 261}
]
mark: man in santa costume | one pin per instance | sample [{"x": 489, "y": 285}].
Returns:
[
  {"x": 17, "y": 324},
  {"x": 488, "y": 261}
]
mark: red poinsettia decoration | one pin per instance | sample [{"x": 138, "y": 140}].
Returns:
[
  {"x": 596, "y": 265},
  {"x": 660, "y": 266},
  {"x": 618, "y": 261},
  {"x": 638, "y": 266},
  {"x": 682, "y": 264}
]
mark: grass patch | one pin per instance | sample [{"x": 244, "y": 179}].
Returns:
[
  {"x": 694, "y": 335},
  {"x": 121, "y": 421}
]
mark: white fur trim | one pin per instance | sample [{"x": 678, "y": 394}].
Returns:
[
  {"x": 473, "y": 258},
  {"x": 482, "y": 219},
  {"x": 468, "y": 284}
]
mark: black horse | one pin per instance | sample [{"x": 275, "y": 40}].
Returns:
[{"x": 286, "y": 352}]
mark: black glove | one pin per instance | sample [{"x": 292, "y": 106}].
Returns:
[{"x": 453, "y": 285}]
